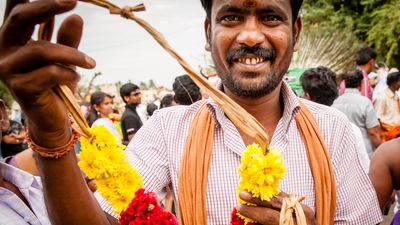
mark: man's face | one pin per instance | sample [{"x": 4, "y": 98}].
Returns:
[
  {"x": 251, "y": 42},
  {"x": 135, "y": 98}
]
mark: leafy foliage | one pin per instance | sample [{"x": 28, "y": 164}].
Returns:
[
  {"x": 375, "y": 23},
  {"x": 5, "y": 95}
]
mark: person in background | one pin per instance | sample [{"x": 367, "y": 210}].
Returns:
[
  {"x": 359, "y": 110},
  {"x": 100, "y": 110},
  {"x": 387, "y": 104},
  {"x": 186, "y": 92},
  {"x": 150, "y": 108},
  {"x": 13, "y": 140},
  {"x": 130, "y": 120},
  {"x": 366, "y": 61},
  {"x": 319, "y": 85},
  {"x": 167, "y": 101}
]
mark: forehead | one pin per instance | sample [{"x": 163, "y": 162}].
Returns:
[{"x": 251, "y": 6}]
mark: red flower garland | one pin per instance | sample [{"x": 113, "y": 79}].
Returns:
[
  {"x": 236, "y": 220},
  {"x": 145, "y": 210}
]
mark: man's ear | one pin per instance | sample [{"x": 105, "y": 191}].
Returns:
[
  {"x": 126, "y": 98},
  {"x": 296, "y": 31},
  {"x": 207, "y": 29}
]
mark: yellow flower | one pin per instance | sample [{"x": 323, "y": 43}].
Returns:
[
  {"x": 260, "y": 174},
  {"x": 103, "y": 158}
]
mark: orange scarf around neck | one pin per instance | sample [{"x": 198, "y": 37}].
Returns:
[{"x": 196, "y": 160}]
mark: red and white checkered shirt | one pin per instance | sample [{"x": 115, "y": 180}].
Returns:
[{"x": 158, "y": 146}]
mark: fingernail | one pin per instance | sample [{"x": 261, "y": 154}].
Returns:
[
  {"x": 245, "y": 195},
  {"x": 90, "y": 61}
]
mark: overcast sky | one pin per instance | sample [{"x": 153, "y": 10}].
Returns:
[{"x": 124, "y": 51}]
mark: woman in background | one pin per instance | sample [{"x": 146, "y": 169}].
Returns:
[{"x": 101, "y": 108}]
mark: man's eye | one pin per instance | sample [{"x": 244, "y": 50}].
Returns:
[
  {"x": 272, "y": 18},
  {"x": 230, "y": 18}
]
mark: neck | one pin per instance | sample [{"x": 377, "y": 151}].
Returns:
[
  {"x": 266, "y": 109},
  {"x": 365, "y": 68},
  {"x": 393, "y": 89}
]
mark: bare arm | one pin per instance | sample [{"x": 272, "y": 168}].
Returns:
[
  {"x": 30, "y": 69},
  {"x": 384, "y": 171},
  {"x": 375, "y": 136}
]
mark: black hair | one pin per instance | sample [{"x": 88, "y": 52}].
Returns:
[
  {"x": 392, "y": 78},
  {"x": 320, "y": 84},
  {"x": 166, "y": 101},
  {"x": 127, "y": 89},
  {"x": 186, "y": 91},
  {"x": 364, "y": 55},
  {"x": 296, "y": 4},
  {"x": 150, "y": 108},
  {"x": 353, "y": 79},
  {"x": 95, "y": 99}
]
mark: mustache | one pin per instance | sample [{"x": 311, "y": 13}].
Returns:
[{"x": 256, "y": 51}]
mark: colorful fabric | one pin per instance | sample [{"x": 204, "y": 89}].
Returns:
[
  {"x": 366, "y": 88},
  {"x": 157, "y": 150}
]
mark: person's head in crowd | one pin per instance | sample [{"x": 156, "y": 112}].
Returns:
[
  {"x": 130, "y": 94},
  {"x": 366, "y": 59},
  {"x": 319, "y": 85},
  {"x": 100, "y": 106},
  {"x": 186, "y": 91},
  {"x": 251, "y": 63},
  {"x": 353, "y": 79},
  {"x": 393, "y": 81},
  {"x": 150, "y": 108},
  {"x": 167, "y": 101}
]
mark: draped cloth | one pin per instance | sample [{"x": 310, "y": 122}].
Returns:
[{"x": 196, "y": 160}]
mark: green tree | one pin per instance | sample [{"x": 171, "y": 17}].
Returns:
[
  {"x": 143, "y": 85},
  {"x": 5, "y": 95},
  {"x": 375, "y": 23}
]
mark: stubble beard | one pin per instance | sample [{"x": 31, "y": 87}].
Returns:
[{"x": 237, "y": 86}]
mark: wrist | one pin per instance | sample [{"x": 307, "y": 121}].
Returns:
[{"x": 50, "y": 138}]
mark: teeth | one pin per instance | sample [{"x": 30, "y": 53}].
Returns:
[{"x": 251, "y": 61}]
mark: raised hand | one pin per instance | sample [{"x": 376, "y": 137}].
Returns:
[
  {"x": 267, "y": 212},
  {"x": 30, "y": 69}
]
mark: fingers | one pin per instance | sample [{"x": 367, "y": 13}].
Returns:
[
  {"x": 70, "y": 32},
  {"x": 19, "y": 25},
  {"x": 41, "y": 53},
  {"x": 41, "y": 81},
  {"x": 10, "y": 5},
  {"x": 275, "y": 202},
  {"x": 260, "y": 214}
]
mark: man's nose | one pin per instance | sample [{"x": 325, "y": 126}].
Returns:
[{"x": 251, "y": 35}]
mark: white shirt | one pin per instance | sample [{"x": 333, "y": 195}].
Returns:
[{"x": 13, "y": 211}]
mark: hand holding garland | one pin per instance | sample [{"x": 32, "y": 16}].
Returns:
[{"x": 31, "y": 69}]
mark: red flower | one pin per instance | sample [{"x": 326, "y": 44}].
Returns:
[
  {"x": 145, "y": 210},
  {"x": 236, "y": 220}
]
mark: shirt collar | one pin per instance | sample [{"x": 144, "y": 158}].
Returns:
[
  {"x": 390, "y": 93},
  {"x": 291, "y": 107},
  {"x": 19, "y": 178},
  {"x": 352, "y": 90}
]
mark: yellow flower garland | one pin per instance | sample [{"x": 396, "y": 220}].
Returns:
[
  {"x": 102, "y": 158},
  {"x": 260, "y": 174}
]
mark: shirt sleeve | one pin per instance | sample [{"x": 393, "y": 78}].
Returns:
[
  {"x": 380, "y": 107},
  {"x": 131, "y": 125},
  {"x": 356, "y": 201},
  {"x": 370, "y": 120}
]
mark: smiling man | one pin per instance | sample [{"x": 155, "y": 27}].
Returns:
[{"x": 251, "y": 42}]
